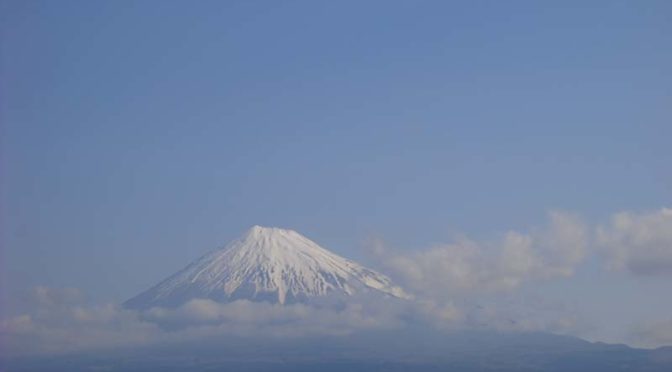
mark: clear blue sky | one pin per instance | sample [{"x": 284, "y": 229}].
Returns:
[{"x": 138, "y": 135}]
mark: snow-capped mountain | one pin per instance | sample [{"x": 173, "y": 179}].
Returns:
[{"x": 267, "y": 264}]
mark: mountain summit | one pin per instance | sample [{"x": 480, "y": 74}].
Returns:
[{"x": 267, "y": 264}]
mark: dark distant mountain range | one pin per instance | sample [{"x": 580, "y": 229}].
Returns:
[{"x": 411, "y": 350}]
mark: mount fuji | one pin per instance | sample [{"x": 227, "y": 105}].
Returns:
[{"x": 267, "y": 264}]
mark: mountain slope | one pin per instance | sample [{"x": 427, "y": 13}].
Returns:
[{"x": 268, "y": 264}]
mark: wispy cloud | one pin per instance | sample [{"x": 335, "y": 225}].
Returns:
[{"x": 652, "y": 333}]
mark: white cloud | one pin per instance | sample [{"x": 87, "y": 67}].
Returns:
[
  {"x": 466, "y": 266},
  {"x": 73, "y": 329},
  {"x": 60, "y": 323},
  {"x": 639, "y": 243},
  {"x": 248, "y": 318}
]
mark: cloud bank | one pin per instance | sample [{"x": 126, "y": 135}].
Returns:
[
  {"x": 464, "y": 284},
  {"x": 476, "y": 272},
  {"x": 467, "y": 266},
  {"x": 60, "y": 322}
]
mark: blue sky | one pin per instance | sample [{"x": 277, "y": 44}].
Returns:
[{"x": 136, "y": 136}]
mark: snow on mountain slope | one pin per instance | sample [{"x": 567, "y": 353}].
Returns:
[{"x": 268, "y": 264}]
